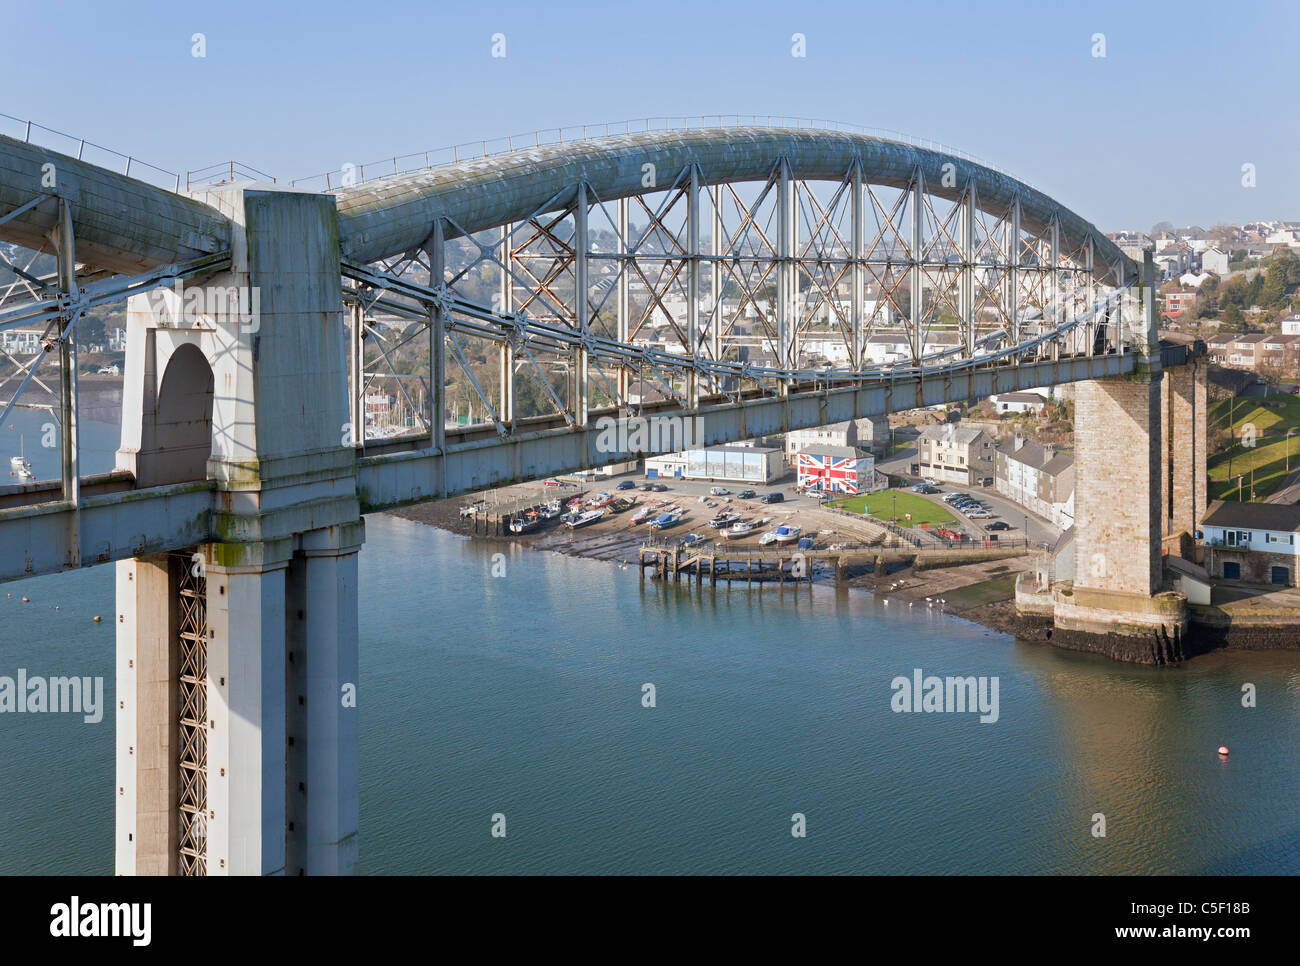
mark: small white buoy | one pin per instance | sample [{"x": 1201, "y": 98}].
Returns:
[{"x": 1223, "y": 751}]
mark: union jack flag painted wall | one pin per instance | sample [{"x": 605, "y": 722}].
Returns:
[{"x": 837, "y": 474}]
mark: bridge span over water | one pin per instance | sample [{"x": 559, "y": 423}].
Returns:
[{"x": 742, "y": 276}]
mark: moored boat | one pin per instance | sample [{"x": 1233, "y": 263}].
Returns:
[
  {"x": 20, "y": 462},
  {"x": 787, "y": 533}
]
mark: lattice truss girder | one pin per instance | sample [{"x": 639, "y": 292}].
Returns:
[
  {"x": 52, "y": 304},
  {"x": 693, "y": 289},
  {"x": 192, "y": 719}
]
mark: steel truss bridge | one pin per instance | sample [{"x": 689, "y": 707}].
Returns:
[{"x": 755, "y": 277}]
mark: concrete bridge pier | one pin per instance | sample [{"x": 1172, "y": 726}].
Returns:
[
  {"x": 237, "y": 659},
  {"x": 1116, "y": 603},
  {"x": 1183, "y": 414},
  {"x": 1139, "y": 475}
]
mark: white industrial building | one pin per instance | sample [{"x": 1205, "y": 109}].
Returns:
[{"x": 721, "y": 464}]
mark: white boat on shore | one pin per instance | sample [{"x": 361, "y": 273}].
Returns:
[
  {"x": 743, "y": 528},
  {"x": 582, "y": 519},
  {"x": 525, "y": 524},
  {"x": 723, "y": 520},
  {"x": 786, "y": 533}
]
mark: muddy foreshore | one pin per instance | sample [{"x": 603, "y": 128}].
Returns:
[
  {"x": 618, "y": 541},
  {"x": 982, "y": 593}
]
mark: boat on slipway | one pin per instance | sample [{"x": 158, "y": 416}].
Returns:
[
  {"x": 526, "y": 524},
  {"x": 742, "y": 528},
  {"x": 666, "y": 520},
  {"x": 573, "y": 521}
]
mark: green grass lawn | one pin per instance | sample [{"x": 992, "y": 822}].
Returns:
[
  {"x": 985, "y": 592},
  {"x": 902, "y": 502},
  {"x": 1265, "y": 455}
]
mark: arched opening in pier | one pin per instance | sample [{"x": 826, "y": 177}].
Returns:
[{"x": 183, "y": 427}]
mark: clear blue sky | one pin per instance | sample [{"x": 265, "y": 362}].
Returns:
[{"x": 1158, "y": 129}]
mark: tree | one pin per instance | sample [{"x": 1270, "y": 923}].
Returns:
[{"x": 1273, "y": 289}]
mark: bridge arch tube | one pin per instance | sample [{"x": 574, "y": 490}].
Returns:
[
  {"x": 121, "y": 223},
  {"x": 391, "y": 215}
]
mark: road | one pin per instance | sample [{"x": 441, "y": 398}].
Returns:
[{"x": 1040, "y": 530}]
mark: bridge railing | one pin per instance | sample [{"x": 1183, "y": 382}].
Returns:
[
  {"x": 29, "y": 132},
  {"x": 352, "y": 174}
]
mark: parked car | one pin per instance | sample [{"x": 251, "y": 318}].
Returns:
[
  {"x": 719, "y": 491},
  {"x": 647, "y": 487},
  {"x": 927, "y": 488},
  {"x": 658, "y": 487},
  {"x": 626, "y": 485},
  {"x": 954, "y": 497},
  {"x": 773, "y": 498},
  {"x": 929, "y": 481},
  {"x": 997, "y": 525},
  {"x": 552, "y": 482},
  {"x": 746, "y": 495}
]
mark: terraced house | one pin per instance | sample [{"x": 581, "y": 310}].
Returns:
[
  {"x": 955, "y": 454},
  {"x": 1039, "y": 478}
]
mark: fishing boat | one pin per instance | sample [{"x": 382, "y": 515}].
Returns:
[
  {"x": 767, "y": 539},
  {"x": 643, "y": 514},
  {"x": 786, "y": 533},
  {"x": 666, "y": 520},
  {"x": 584, "y": 518},
  {"x": 621, "y": 505},
  {"x": 576, "y": 502},
  {"x": 551, "y": 510},
  {"x": 20, "y": 462},
  {"x": 724, "y": 519},
  {"x": 525, "y": 524},
  {"x": 742, "y": 528},
  {"x": 600, "y": 500}
]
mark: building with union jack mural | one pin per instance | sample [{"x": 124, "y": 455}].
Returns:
[{"x": 837, "y": 469}]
